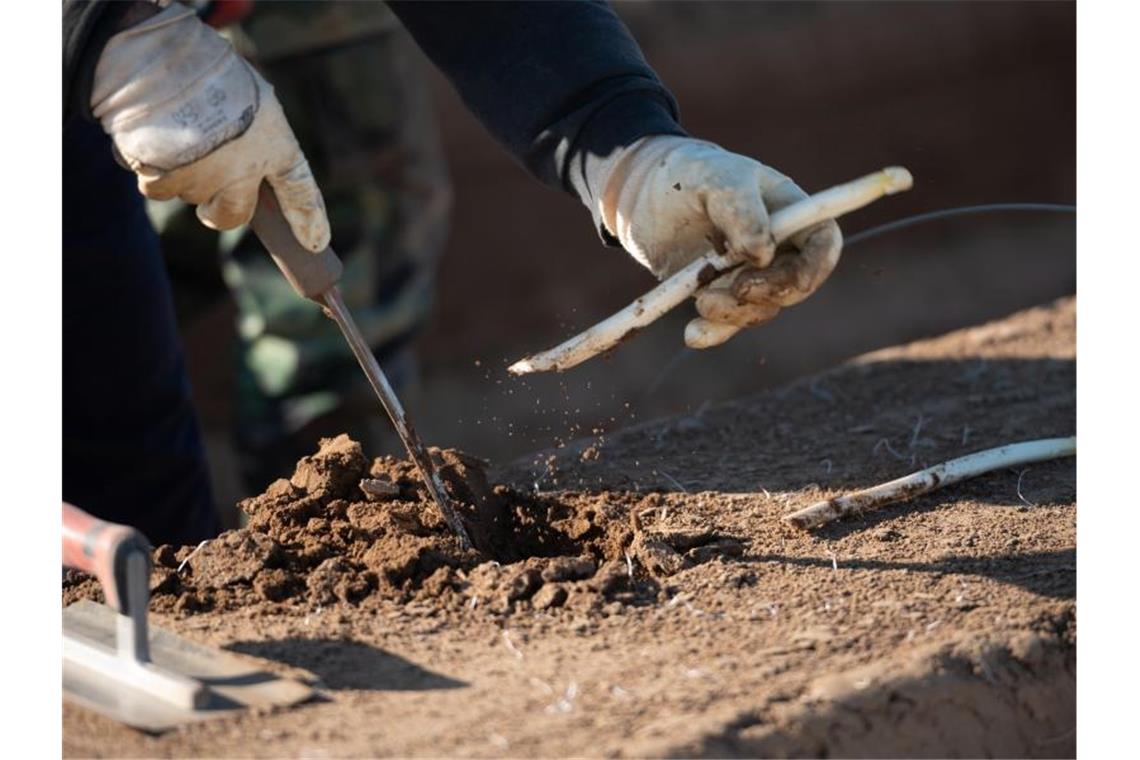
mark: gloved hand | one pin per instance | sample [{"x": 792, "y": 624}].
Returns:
[
  {"x": 669, "y": 200},
  {"x": 196, "y": 122}
]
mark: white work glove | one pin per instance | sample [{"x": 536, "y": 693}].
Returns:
[
  {"x": 669, "y": 200},
  {"x": 194, "y": 121}
]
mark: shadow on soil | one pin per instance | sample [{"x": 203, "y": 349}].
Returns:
[
  {"x": 1052, "y": 574},
  {"x": 853, "y": 427},
  {"x": 346, "y": 664}
]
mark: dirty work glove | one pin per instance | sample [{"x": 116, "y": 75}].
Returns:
[
  {"x": 669, "y": 200},
  {"x": 194, "y": 121}
]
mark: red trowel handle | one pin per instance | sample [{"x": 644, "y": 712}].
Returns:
[{"x": 101, "y": 549}]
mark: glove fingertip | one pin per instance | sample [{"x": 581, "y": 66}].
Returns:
[
  {"x": 311, "y": 228},
  {"x": 757, "y": 247},
  {"x": 231, "y": 208},
  {"x": 154, "y": 188},
  {"x": 303, "y": 207},
  {"x": 703, "y": 333},
  {"x": 206, "y": 218}
]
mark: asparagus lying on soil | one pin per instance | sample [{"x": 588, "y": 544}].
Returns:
[
  {"x": 786, "y": 222},
  {"x": 924, "y": 481}
]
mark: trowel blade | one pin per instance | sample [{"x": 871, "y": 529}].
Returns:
[{"x": 234, "y": 683}]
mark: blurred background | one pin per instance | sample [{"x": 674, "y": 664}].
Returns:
[{"x": 978, "y": 100}]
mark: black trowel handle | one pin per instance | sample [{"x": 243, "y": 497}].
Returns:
[{"x": 310, "y": 274}]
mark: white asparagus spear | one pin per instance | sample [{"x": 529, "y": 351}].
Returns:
[
  {"x": 925, "y": 481},
  {"x": 650, "y": 307}
]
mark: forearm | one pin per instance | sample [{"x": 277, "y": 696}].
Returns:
[{"x": 561, "y": 85}]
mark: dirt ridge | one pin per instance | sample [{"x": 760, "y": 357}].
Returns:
[{"x": 982, "y": 696}]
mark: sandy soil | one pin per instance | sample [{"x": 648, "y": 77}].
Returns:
[{"x": 635, "y": 593}]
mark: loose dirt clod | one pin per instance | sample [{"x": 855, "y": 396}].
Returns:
[
  {"x": 346, "y": 529},
  {"x": 379, "y": 490}
]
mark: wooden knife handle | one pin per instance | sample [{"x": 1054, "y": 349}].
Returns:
[{"x": 311, "y": 274}]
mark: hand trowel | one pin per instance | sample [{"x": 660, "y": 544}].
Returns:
[{"x": 117, "y": 665}]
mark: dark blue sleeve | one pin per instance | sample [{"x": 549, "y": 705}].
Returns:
[
  {"x": 561, "y": 85},
  {"x": 87, "y": 25}
]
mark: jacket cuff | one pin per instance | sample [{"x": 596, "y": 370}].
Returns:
[{"x": 622, "y": 121}]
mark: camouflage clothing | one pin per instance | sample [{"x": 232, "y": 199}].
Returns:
[{"x": 353, "y": 86}]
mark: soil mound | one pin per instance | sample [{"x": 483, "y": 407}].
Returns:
[{"x": 348, "y": 529}]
